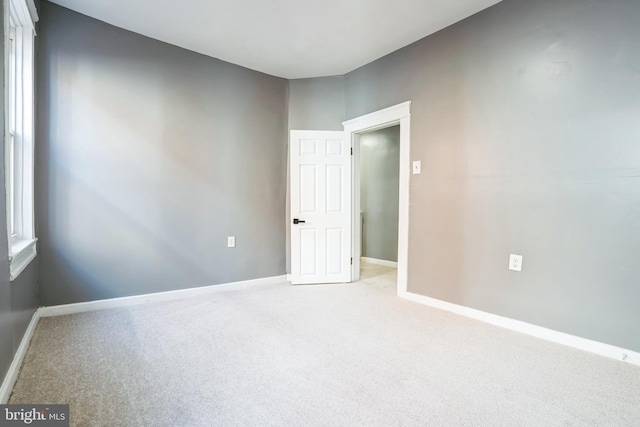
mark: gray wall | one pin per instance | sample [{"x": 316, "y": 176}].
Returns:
[
  {"x": 525, "y": 117},
  {"x": 313, "y": 104},
  {"x": 379, "y": 180},
  {"x": 18, "y": 299},
  {"x": 317, "y": 104},
  {"x": 148, "y": 157}
]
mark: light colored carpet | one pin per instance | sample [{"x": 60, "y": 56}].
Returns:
[{"x": 325, "y": 355}]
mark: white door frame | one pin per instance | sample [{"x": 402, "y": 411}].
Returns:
[{"x": 397, "y": 114}]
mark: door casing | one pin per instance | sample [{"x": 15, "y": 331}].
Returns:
[{"x": 399, "y": 114}]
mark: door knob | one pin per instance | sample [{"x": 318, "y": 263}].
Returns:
[{"x": 297, "y": 221}]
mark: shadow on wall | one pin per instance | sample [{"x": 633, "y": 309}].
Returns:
[
  {"x": 149, "y": 156},
  {"x": 100, "y": 247}
]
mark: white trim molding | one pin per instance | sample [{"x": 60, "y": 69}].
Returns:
[
  {"x": 391, "y": 116},
  {"x": 23, "y": 252},
  {"x": 25, "y": 11},
  {"x": 602, "y": 349},
  {"x": 378, "y": 119},
  {"x": 20, "y": 17},
  {"x": 33, "y": 11},
  {"x": 379, "y": 261},
  {"x": 80, "y": 307},
  {"x": 12, "y": 374}
]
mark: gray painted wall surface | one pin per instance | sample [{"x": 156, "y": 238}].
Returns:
[
  {"x": 148, "y": 157},
  {"x": 24, "y": 300},
  {"x": 18, "y": 302},
  {"x": 317, "y": 104},
  {"x": 313, "y": 104},
  {"x": 379, "y": 180},
  {"x": 18, "y": 299},
  {"x": 525, "y": 117}
]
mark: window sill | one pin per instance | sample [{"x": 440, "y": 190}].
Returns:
[{"x": 22, "y": 253}]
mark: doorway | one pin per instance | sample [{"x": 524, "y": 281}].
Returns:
[
  {"x": 398, "y": 115},
  {"x": 379, "y": 187},
  {"x": 329, "y": 152},
  {"x": 379, "y": 192}
]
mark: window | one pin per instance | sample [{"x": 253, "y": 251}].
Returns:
[{"x": 20, "y": 18}]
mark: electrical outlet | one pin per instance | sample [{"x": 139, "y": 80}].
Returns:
[
  {"x": 231, "y": 241},
  {"x": 515, "y": 262}
]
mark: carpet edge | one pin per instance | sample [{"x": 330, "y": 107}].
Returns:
[
  {"x": 80, "y": 307},
  {"x": 595, "y": 347}
]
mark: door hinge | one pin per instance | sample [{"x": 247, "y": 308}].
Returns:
[
  {"x": 352, "y": 151},
  {"x": 352, "y": 261}
]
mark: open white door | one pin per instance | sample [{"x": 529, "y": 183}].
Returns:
[{"x": 320, "y": 207}]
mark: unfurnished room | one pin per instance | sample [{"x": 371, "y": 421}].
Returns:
[{"x": 320, "y": 213}]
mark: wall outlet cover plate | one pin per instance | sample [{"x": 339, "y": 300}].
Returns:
[
  {"x": 417, "y": 167},
  {"x": 515, "y": 262}
]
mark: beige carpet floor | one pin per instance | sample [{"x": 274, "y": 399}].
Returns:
[{"x": 324, "y": 355}]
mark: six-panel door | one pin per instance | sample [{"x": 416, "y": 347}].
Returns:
[{"x": 321, "y": 205}]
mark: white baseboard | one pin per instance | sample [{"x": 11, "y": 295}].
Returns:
[
  {"x": 596, "y": 347},
  {"x": 12, "y": 374},
  {"x": 379, "y": 262},
  {"x": 59, "y": 310}
]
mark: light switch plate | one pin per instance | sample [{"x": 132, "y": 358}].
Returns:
[
  {"x": 231, "y": 241},
  {"x": 417, "y": 167},
  {"x": 515, "y": 262}
]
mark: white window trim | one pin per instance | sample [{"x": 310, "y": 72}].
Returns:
[{"x": 22, "y": 241}]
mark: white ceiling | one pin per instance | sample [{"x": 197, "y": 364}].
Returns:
[{"x": 285, "y": 38}]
